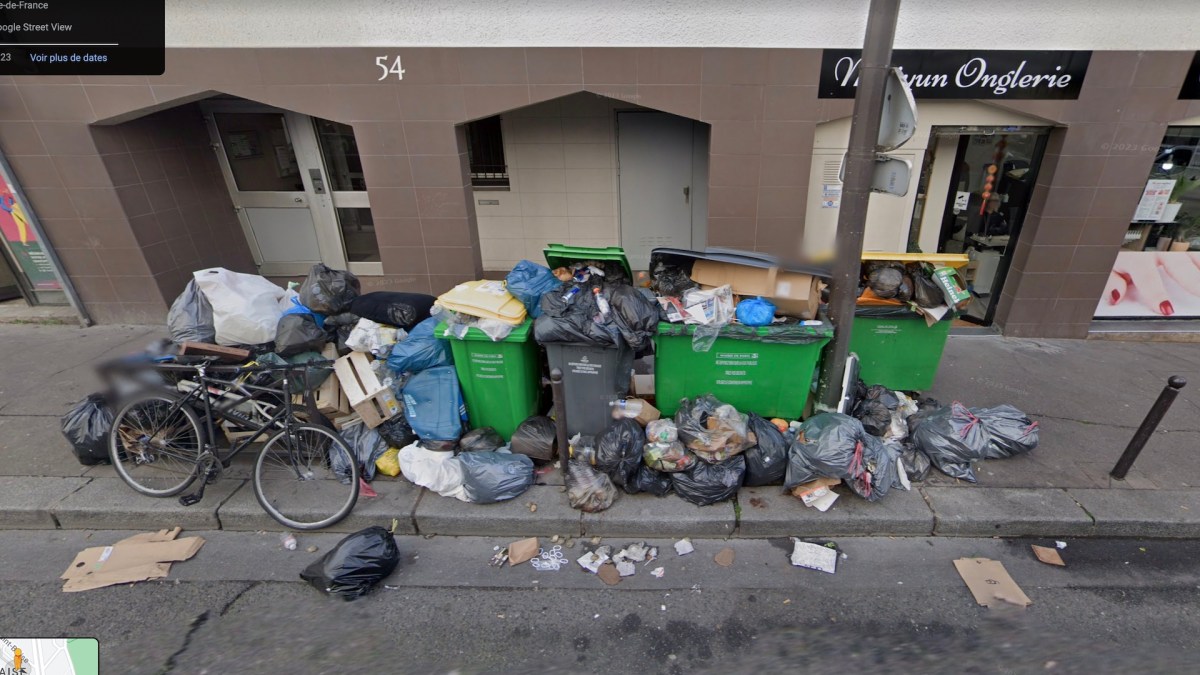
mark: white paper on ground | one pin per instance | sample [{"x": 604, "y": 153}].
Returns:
[{"x": 814, "y": 557}]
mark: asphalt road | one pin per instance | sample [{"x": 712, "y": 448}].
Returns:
[{"x": 238, "y": 606}]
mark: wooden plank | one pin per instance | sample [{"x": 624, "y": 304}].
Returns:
[{"x": 227, "y": 354}]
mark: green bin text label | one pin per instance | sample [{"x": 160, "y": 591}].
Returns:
[{"x": 488, "y": 366}]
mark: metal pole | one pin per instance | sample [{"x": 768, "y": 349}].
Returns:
[
  {"x": 560, "y": 419},
  {"x": 1160, "y": 408},
  {"x": 856, "y": 191}
]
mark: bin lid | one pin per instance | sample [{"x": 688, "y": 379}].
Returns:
[
  {"x": 777, "y": 334},
  {"x": 519, "y": 333},
  {"x": 943, "y": 259},
  {"x": 733, "y": 256},
  {"x": 561, "y": 255}
]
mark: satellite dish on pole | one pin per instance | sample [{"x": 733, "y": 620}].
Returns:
[{"x": 898, "y": 122}]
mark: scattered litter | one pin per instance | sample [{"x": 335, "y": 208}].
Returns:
[
  {"x": 554, "y": 539},
  {"x": 1060, "y": 544},
  {"x": 608, "y": 574},
  {"x": 724, "y": 558},
  {"x": 626, "y": 568},
  {"x": 138, "y": 558},
  {"x": 500, "y": 558},
  {"x": 1048, "y": 555},
  {"x": 788, "y": 601},
  {"x": 990, "y": 583},
  {"x": 684, "y": 547},
  {"x": 533, "y": 508},
  {"x": 312, "y": 549},
  {"x": 551, "y": 560},
  {"x": 816, "y": 493},
  {"x": 288, "y": 540},
  {"x": 595, "y": 616},
  {"x": 365, "y": 490},
  {"x": 522, "y": 551},
  {"x": 592, "y": 561},
  {"x": 814, "y": 557},
  {"x": 633, "y": 553},
  {"x": 595, "y": 540},
  {"x": 663, "y": 607},
  {"x": 658, "y": 572}
]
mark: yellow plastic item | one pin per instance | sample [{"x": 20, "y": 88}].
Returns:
[
  {"x": 484, "y": 299},
  {"x": 938, "y": 259},
  {"x": 388, "y": 463}
]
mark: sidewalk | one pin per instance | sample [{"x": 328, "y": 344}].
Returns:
[{"x": 1088, "y": 397}]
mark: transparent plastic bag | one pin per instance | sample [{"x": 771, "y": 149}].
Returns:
[
  {"x": 588, "y": 490},
  {"x": 711, "y": 429}
]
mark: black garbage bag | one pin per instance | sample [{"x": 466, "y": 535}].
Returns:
[
  {"x": 483, "y": 439},
  {"x": 404, "y": 310},
  {"x": 490, "y": 477},
  {"x": 343, "y": 319},
  {"x": 396, "y": 432},
  {"x": 569, "y": 317},
  {"x": 766, "y": 460},
  {"x": 1010, "y": 431},
  {"x": 925, "y": 406},
  {"x": 86, "y": 427},
  {"x": 710, "y": 482},
  {"x": 952, "y": 437},
  {"x": 926, "y": 293},
  {"x": 875, "y": 409},
  {"x": 619, "y": 450},
  {"x": 885, "y": 280},
  {"x": 836, "y": 446},
  {"x": 437, "y": 446},
  {"x": 357, "y": 563},
  {"x": 588, "y": 490},
  {"x": 298, "y": 333},
  {"x": 635, "y": 315},
  {"x": 536, "y": 438},
  {"x": 916, "y": 464},
  {"x": 343, "y": 334},
  {"x": 366, "y": 444},
  {"x": 670, "y": 280},
  {"x": 648, "y": 480},
  {"x": 191, "y": 317},
  {"x": 329, "y": 291},
  {"x": 905, "y": 292}
]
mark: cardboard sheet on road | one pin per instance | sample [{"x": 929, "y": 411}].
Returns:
[
  {"x": 989, "y": 582},
  {"x": 138, "y": 558}
]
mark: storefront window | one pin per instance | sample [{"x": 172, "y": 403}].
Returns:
[{"x": 1157, "y": 272}]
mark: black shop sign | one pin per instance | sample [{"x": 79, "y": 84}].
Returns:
[
  {"x": 1191, "y": 83},
  {"x": 966, "y": 73}
]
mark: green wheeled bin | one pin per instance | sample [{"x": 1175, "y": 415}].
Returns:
[
  {"x": 897, "y": 348},
  {"x": 501, "y": 381},
  {"x": 766, "y": 370}
]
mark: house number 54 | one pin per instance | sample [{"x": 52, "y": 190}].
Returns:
[{"x": 395, "y": 68}]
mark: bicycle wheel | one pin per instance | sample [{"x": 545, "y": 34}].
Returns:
[
  {"x": 156, "y": 447},
  {"x": 298, "y": 477}
]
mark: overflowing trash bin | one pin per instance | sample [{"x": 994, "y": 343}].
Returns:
[{"x": 500, "y": 380}]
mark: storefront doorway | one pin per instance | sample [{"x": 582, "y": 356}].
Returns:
[
  {"x": 986, "y": 177},
  {"x": 297, "y": 185}
]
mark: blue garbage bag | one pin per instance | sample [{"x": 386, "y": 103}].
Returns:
[
  {"x": 298, "y": 308},
  {"x": 528, "y": 281},
  {"x": 420, "y": 350},
  {"x": 433, "y": 404},
  {"x": 755, "y": 312}
]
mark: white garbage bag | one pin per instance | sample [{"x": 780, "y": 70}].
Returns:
[
  {"x": 441, "y": 472},
  {"x": 246, "y": 307}
]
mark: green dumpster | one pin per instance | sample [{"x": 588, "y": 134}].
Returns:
[
  {"x": 766, "y": 370},
  {"x": 896, "y": 348},
  {"x": 500, "y": 380}
]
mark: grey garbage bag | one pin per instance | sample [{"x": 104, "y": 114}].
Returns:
[
  {"x": 366, "y": 445},
  {"x": 1010, "y": 431},
  {"x": 619, "y": 450},
  {"x": 329, "y": 291},
  {"x": 710, "y": 482},
  {"x": 952, "y": 437},
  {"x": 86, "y": 426},
  {"x": 536, "y": 437},
  {"x": 191, "y": 317},
  {"x": 356, "y": 564},
  {"x": 916, "y": 464},
  {"x": 648, "y": 480},
  {"x": 836, "y": 446},
  {"x": 588, "y": 489},
  {"x": 298, "y": 333},
  {"x": 766, "y": 460},
  {"x": 483, "y": 439},
  {"x": 490, "y": 477}
]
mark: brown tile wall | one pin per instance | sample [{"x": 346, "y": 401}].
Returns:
[{"x": 141, "y": 219}]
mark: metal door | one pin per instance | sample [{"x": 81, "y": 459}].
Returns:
[
  {"x": 655, "y": 165},
  {"x": 273, "y": 169}
]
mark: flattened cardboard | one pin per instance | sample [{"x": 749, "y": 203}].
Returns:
[
  {"x": 792, "y": 293},
  {"x": 989, "y": 582},
  {"x": 141, "y": 557},
  {"x": 522, "y": 551},
  {"x": 724, "y": 557},
  {"x": 608, "y": 574},
  {"x": 1048, "y": 555}
]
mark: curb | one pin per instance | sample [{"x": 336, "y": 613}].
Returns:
[{"x": 90, "y": 503}]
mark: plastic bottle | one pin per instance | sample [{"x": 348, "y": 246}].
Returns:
[
  {"x": 288, "y": 540},
  {"x": 624, "y": 407},
  {"x": 602, "y": 303},
  {"x": 569, "y": 296}
]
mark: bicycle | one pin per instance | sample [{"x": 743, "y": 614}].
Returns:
[{"x": 305, "y": 476}]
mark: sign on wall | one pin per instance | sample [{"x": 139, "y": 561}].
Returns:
[{"x": 966, "y": 73}]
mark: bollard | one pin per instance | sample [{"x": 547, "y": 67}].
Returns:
[
  {"x": 1157, "y": 411},
  {"x": 560, "y": 419}
]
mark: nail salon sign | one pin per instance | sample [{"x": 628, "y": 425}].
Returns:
[{"x": 970, "y": 74}]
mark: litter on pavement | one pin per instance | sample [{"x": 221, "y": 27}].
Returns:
[
  {"x": 990, "y": 583},
  {"x": 1048, "y": 555},
  {"x": 138, "y": 558},
  {"x": 814, "y": 556}
]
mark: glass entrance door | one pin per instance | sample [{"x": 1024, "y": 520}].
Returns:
[{"x": 989, "y": 186}]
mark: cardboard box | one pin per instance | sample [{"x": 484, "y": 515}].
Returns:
[
  {"x": 793, "y": 293},
  {"x": 373, "y": 402},
  {"x": 648, "y": 414},
  {"x": 643, "y": 386},
  {"x": 225, "y": 354}
]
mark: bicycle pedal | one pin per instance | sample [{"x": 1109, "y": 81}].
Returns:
[{"x": 189, "y": 500}]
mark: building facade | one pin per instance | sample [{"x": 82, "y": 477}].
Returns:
[{"x": 419, "y": 167}]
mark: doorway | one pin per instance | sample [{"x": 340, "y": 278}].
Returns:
[
  {"x": 662, "y": 164},
  {"x": 297, "y": 185},
  {"x": 987, "y": 176}
]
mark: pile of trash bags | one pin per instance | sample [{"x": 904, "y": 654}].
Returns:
[{"x": 594, "y": 305}]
